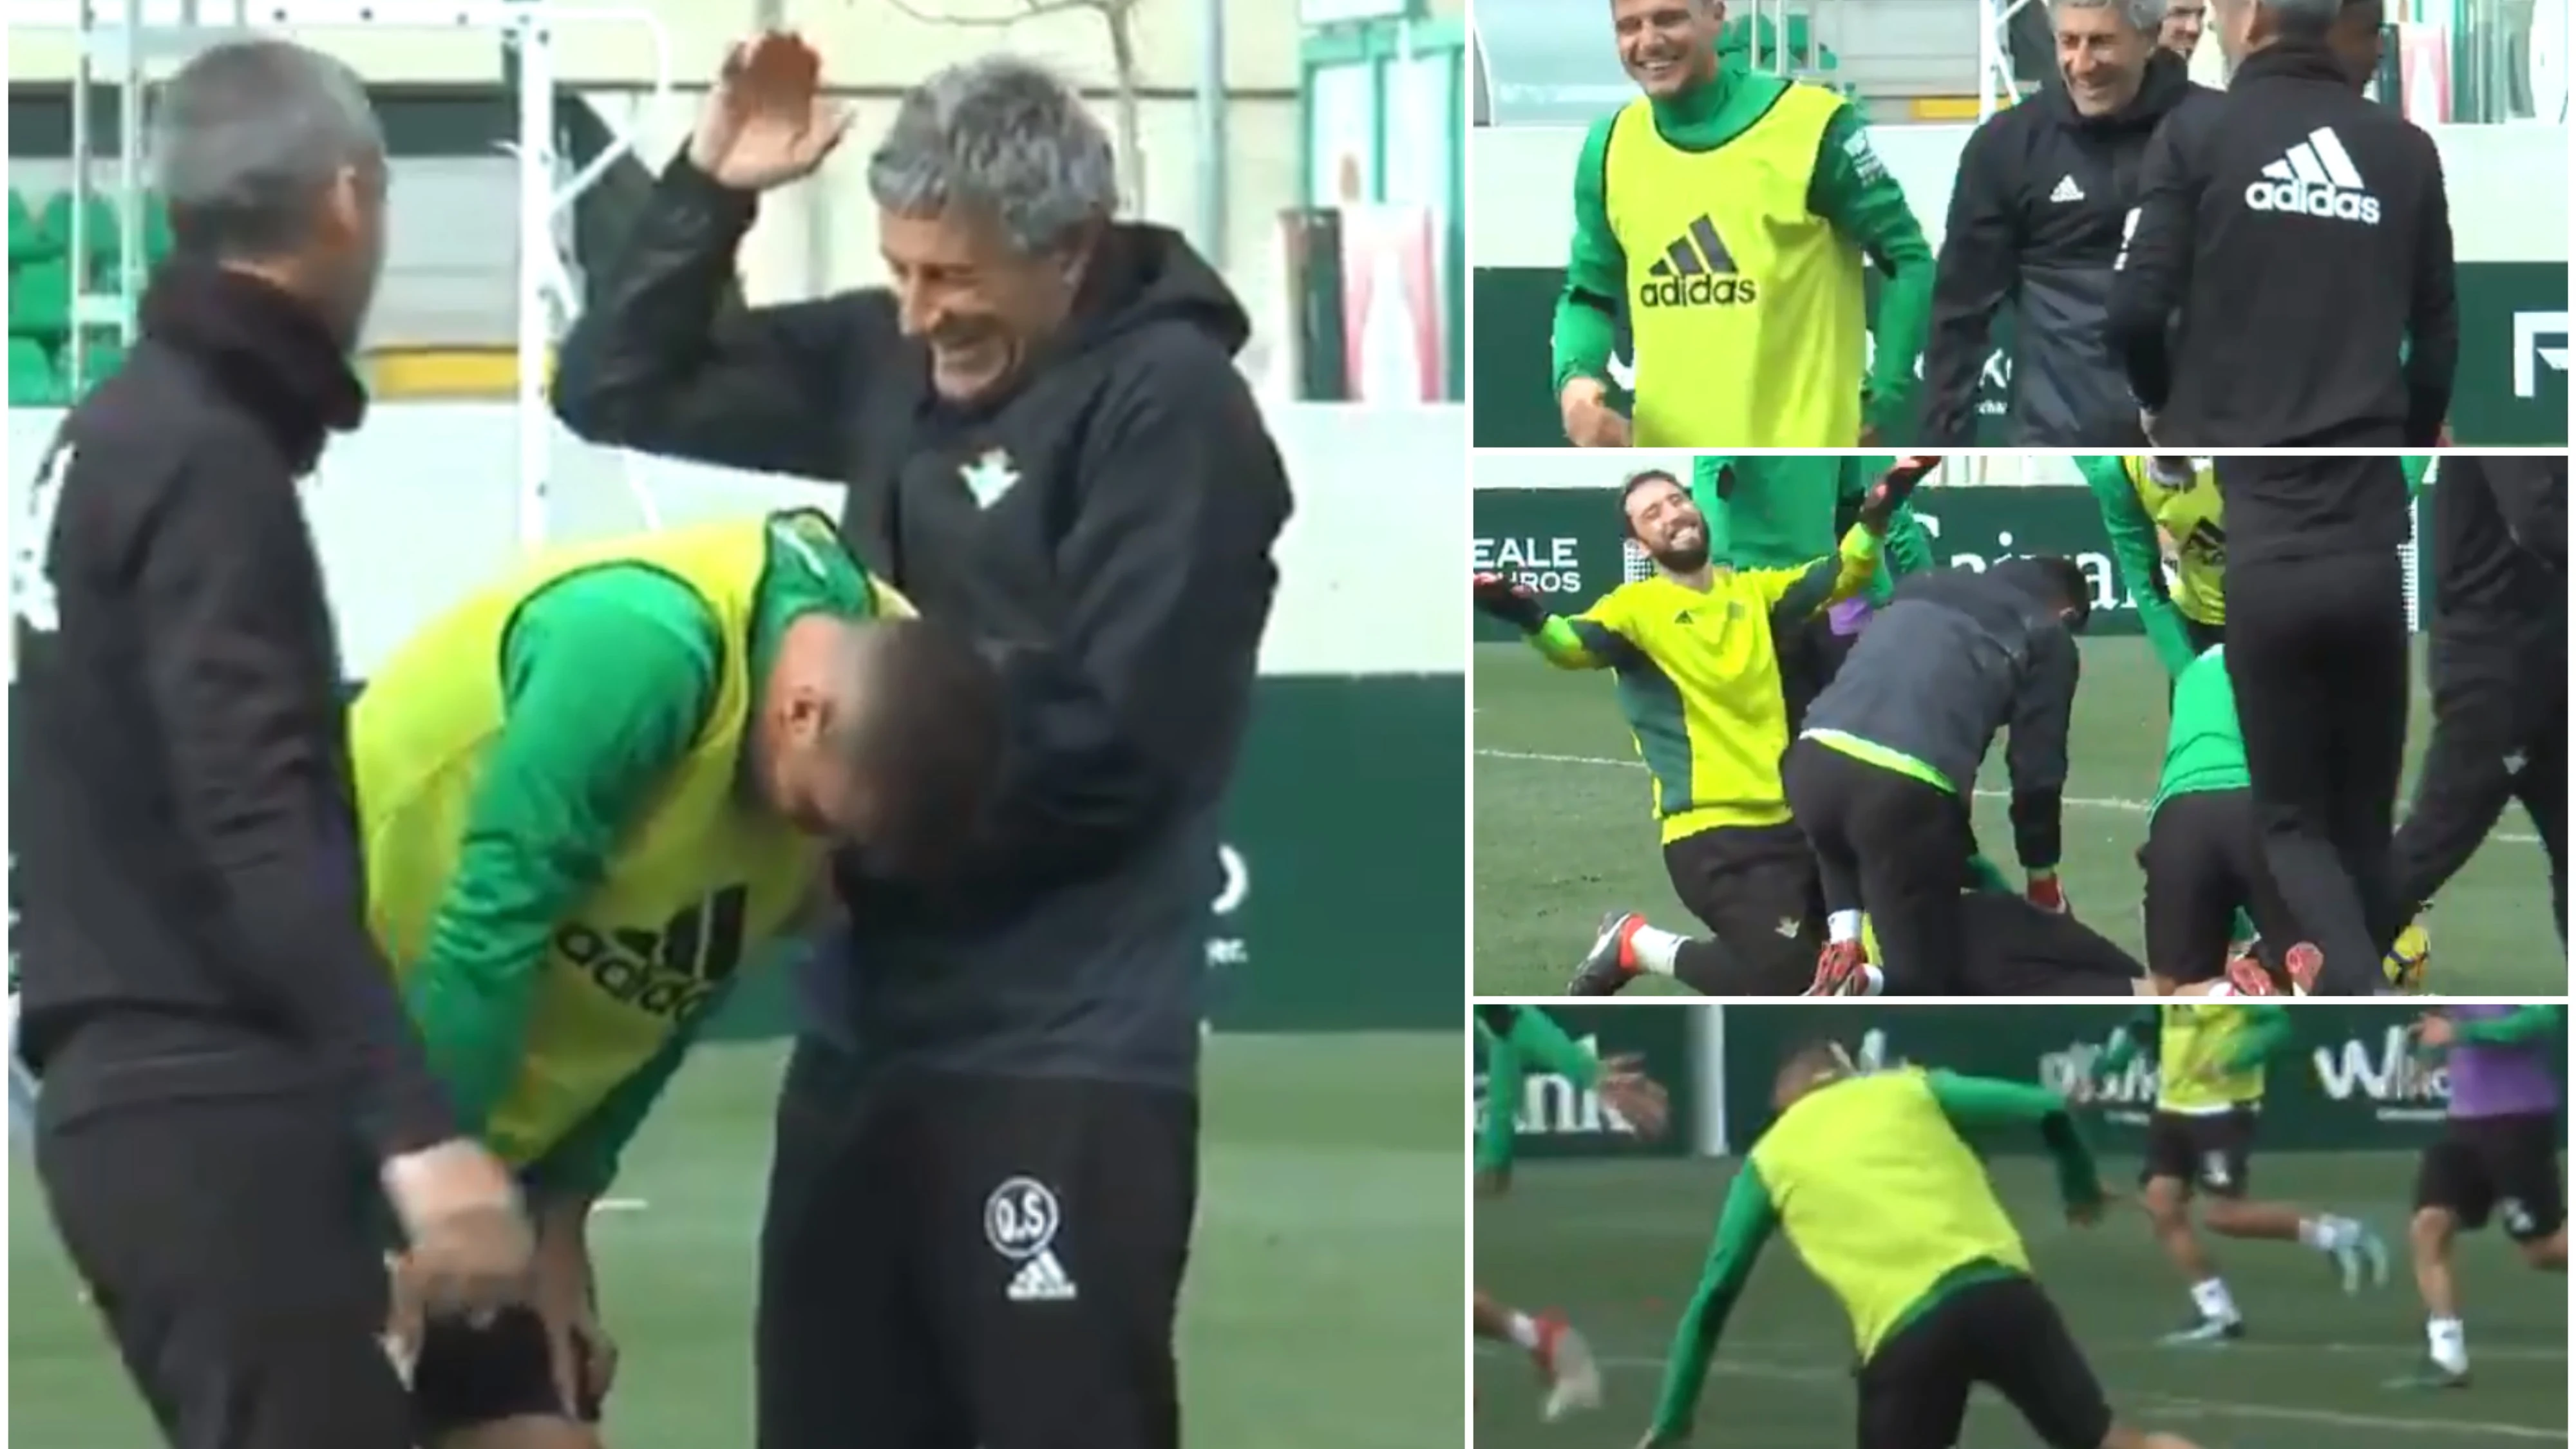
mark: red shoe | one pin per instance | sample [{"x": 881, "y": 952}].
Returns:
[
  {"x": 1840, "y": 971},
  {"x": 1565, "y": 1361}
]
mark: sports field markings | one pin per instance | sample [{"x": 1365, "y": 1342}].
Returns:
[
  {"x": 2130, "y": 807},
  {"x": 2173, "y": 1404}
]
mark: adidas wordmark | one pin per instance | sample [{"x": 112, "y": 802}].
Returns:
[{"x": 2316, "y": 177}]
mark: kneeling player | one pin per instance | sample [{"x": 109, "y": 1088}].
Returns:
[
  {"x": 2209, "y": 1097},
  {"x": 1514, "y": 1038},
  {"x": 1908, "y": 1233},
  {"x": 2497, "y": 1158},
  {"x": 591, "y": 794}
]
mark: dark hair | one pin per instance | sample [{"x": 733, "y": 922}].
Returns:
[
  {"x": 2067, "y": 581},
  {"x": 1815, "y": 1057},
  {"x": 928, "y": 735},
  {"x": 1634, "y": 481},
  {"x": 250, "y": 136}
]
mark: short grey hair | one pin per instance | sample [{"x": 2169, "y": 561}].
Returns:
[
  {"x": 247, "y": 139},
  {"x": 1003, "y": 136},
  {"x": 2145, "y": 16}
]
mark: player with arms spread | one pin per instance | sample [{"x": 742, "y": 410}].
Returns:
[
  {"x": 2497, "y": 1159},
  {"x": 1880, "y": 1195},
  {"x": 2200, "y": 1141},
  {"x": 1693, "y": 648},
  {"x": 1731, "y": 210},
  {"x": 1515, "y": 1038},
  {"x": 589, "y": 795}
]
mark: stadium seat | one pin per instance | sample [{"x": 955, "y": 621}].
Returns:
[
  {"x": 27, "y": 239},
  {"x": 157, "y": 241},
  {"x": 99, "y": 218},
  {"x": 100, "y": 359},
  {"x": 40, "y": 299},
  {"x": 32, "y": 383}
]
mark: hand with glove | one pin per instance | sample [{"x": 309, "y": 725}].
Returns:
[
  {"x": 1510, "y": 600},
  {"x": 1889, "y": 493}
]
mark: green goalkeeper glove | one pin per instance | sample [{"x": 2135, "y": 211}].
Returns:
[{"x": 1510, "y": 600}]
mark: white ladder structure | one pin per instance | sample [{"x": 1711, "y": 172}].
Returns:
[
  {"x": 119, "y": 38},
  {"x": 1996, "y": 87}
]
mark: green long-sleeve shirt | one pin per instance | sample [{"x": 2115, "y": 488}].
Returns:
[
  {"x": 1515, "y": 1037},
  {"x": 607, "y": 678},
  {"x": 1771, "y": 511},
  {"x": 1749, "y": 1218},
  {"x": 2139, "y": 556},
  {"x": 1850, "y": 189},
  {"x": 2525, "y": 1024}
]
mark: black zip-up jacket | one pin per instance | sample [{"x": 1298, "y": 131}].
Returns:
[
  {"x": 1106, "y": 522},
  {"x": 2499, "y": 542},
  {"x": 2035, "y": 222},
  {"x": 2311, "y": 506},
  {"x": 2298, "y": 236},
  {"x": 1955, "y": 657},
  {"x": 191, "y": 887}
]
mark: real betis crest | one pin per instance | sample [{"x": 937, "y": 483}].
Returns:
[{"x": 989, "y": 477}]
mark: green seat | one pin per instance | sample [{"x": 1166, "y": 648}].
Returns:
[
  {"x": 27, "y": 239},
  {"x": 31, "y": 375},
  {"x": 1772, "y": 46},
  {"x": 100, "y": 219},
  {"x": 157, "y": 241},
  {"x": 40, "y": 299},
  {"x": 99, "y": 361}
]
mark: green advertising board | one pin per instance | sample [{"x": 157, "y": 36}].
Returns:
[
  {"x": 1557, "y": 1119},
  {"x": 1566, "y": 542},
  {"x": 2348, "y": 1083},
  {"x": 1343, "y": 887}
]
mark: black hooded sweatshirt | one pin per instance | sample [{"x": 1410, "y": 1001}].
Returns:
[
  {"x": 1104, "y": 523},
  {"x": 2035, "y": 224}
]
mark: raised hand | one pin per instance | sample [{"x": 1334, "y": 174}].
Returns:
[{"x": 767, "y": 122}]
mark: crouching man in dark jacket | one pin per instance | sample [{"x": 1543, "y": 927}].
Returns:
[{"x": 986, "y": 1163}]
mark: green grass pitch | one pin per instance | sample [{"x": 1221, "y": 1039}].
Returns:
[
  {"x": 1564, "y": 834},
  {"x": 1323, "y": 1305},
  {"x": 1617, "y": 1246}
]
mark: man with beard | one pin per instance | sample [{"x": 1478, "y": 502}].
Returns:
[
  {"x": 2035, "y": 226},
  {"x": 1698, "y": 668},
  {"x": 1725, "y": 215}
]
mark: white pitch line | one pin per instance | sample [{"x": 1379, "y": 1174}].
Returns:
[
  {"x": 2179, "y": 1405},
  {"x": 619, "y": 1205},
  {"x": 2130, "y": 807}
]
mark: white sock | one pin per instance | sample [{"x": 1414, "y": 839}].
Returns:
[
  {"x": 2449, "y": 1343},
  {"x": 1842, "y": 926},
  {"x": 1524, "y": 1331},
  {"x": 1655, "y": 949},
  {"x": 2217, "y": 1305},
  {"x": 2328, "y": 1233}
]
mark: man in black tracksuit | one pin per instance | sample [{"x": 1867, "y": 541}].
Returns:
[
  {"x": 226, "y": 1061},
  {"x": 985, "y": 1171},
  {"x": 2498, "y": 665},
  {"x": 2317, "y": 652},
  {"x": 1881, "y": 777},
  {"x": 2035, "y": 224},
  {"x": 2297, "y": 236}
]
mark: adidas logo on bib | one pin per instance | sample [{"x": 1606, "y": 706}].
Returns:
[
  {"x": 1696, "y": 270},
  {"x": 1041, "y": 1280},
  {"x": 2315, "y": 178}
]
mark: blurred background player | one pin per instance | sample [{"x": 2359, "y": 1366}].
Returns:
[
  {"x": 2497, "y": 663},
  {"x": 2037, "y": 215},
  {"x": 1879, "y": 777},
  {"x": 2200, "y": 1144},
  {"x": 1725, "y": 213},
  {"x": 1699, "y": 683},
  {"x": 1516, "y": 1038},
  {"x": 2184, "y": 21},
  {"x": 589, "y": 794},
  {"x": 1871, "y": 1177},
  {"x": 1769, "y": 511},
  {"x": 2497, "y": 1160}
]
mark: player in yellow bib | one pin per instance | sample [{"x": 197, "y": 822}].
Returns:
[
  {"x": 1869, "y": 1177},
  {"x": 2200, "y": 1143},
  {"x": 1695, "y": 651},
  {"x": 1725, "y": 215},
  {"x": 591, "y": 795}
]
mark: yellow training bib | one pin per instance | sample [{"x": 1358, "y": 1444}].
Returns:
[
  {"x": 701, "y": 881},
  {"x": 2193, "y": 1046},
  {"x": 2190, "y": 521},
  {"x": 1881, "y": 1197},
  {"x": 1744, "y": 306}
]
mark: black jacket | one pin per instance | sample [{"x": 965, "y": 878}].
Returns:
[
  {"x": 2499, "y": 544},
  {"x": 1955, "y": 657},
  {"x": 2301, "y": 232},
  {"x": 2035, "y": 223},
  {"x": 1107, "y": 523},
  {"x": 191, "y": 885}
]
